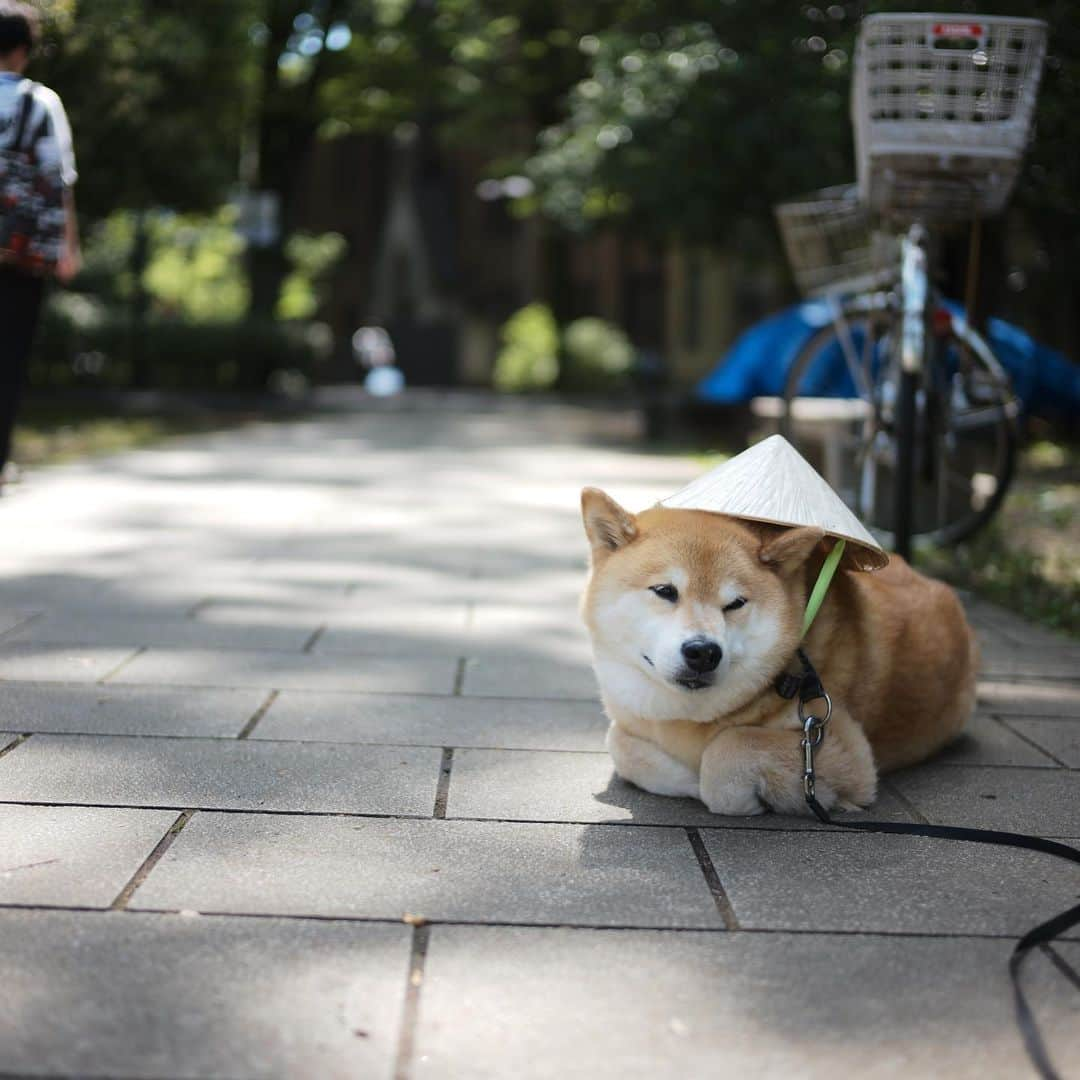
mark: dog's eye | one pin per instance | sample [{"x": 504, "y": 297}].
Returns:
[
  {"x": 735, "y": 604},
  {"x": 665, "y": 592}
]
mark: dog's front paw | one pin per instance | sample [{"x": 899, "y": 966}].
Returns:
[{"x": 735, "y": 800}]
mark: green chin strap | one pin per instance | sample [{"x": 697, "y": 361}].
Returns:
[{"x": 821, "y": 586}]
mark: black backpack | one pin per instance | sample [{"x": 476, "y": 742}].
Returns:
[{"x": 31, "y": 197}]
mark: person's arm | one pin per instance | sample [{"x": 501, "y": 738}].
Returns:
[
  {"x": 60, "y": 149},
  {"x": 71, "y": 257}
]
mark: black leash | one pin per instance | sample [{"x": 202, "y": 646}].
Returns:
[{"x": 808, "y": 687}]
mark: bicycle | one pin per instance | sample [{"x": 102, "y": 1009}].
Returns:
[{"x": 942, "y": 107}]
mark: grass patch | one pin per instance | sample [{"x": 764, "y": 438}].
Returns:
[
  {"x": 992, "y": 567},
  {"x": 52, "y": 434},
  {"x": 1028, "y": 559}
]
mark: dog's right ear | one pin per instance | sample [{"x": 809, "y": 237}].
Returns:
[{"x": 607, "y": 525}]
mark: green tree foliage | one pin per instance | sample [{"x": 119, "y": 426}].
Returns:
[
  {"x": 194, "y": 269},
  {"x": 693, "y": 126},
  {"x": 312, "y": 258},
  {"x": 154, "y": 90},
  {"x": 598, "y": 356},
  {"x": 529, "y": 359}
]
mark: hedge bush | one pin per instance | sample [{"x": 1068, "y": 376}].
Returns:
[
  {"x": 598, "y": 356},
  {"x": 529, "y": 360},
  {"x": 82, "y": 342}
]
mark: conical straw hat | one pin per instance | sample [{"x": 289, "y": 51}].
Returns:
[{"x": 772, "y": 482}]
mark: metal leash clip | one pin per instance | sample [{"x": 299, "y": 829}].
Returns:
[{"x": 813, "y": 732}]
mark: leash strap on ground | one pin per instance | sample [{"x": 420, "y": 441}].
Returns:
[
  {"x": 1038, "y": 935},
  {"x": 814, "y": 731}
]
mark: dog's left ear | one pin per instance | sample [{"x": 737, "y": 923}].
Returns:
[
  {"x": 607, "y": 525},
  {"x": 789, "y": 550}
]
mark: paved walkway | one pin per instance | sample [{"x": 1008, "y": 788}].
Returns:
[{"x": 305, "y": 778}]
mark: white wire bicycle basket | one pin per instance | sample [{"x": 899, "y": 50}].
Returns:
[
  {"x": 942, "y": 107},
  {"x": 830, "y": 244}
]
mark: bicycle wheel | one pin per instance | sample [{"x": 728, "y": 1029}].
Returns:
[{"x": 963, "y": 427}]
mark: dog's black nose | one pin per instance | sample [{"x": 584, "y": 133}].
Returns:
[{"x": 702, "y": 655}]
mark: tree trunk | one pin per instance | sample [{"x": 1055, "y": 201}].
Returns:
[
  {"x": 267, "y": 267},
  {"x": 140, "y": 372}
]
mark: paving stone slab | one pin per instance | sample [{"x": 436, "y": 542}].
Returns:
[
  {"x": 360, "y": 608},
  {"x": 540, "y": 588},
  {"x": 123, "y": 710},
  {"x": 287, "y": 671},
  {"x": 1045, "y": 661},
  {"x": 164, "y": 996},
  {"x": 536, "y": 1003},
  {"x": 543, "y": 629},
  {"x": 104, "y": 628},
  {"x": 1060, "y": 736},
  {"x": 890, "y": 884},
  {"x": 549, "y": 786},
  {"x": 1008, "y": 624},
  {"x": 1041, "y": 801},
  {"x": 344, "y": 642},
  {"x": 459, "y": 870},
  {"x": 434, "y": 721},
  {"x": 80, "y": 856},
  {"x": 1030, "y": 699},
  {"x": 539, "y": 617},
  {"x": 529, "y": 676},
  {"x": 987, "y": 741},
  {"x": 222, "y": 774},
  {"x": 27, "y": 662}
]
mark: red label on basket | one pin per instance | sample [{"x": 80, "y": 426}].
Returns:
[{"x": 958, "y": 30}]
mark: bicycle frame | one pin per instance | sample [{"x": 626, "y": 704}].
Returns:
[{"x": 914, "y": 293}]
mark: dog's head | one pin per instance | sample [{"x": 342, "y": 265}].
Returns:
[{"x": 691, "y": 614}]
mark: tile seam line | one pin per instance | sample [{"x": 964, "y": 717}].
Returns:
[
  {"x": 1030, "y": 742},
  {"x": 45, "y": 683},
  {"x": 712, "y": 880},
  {"x": 1053, "y": 765},
  {"x": 1008, "y": 716},
  {"x": 442, "y": 788},
  {"x": 15, "y": 743},
  {"x": 810, "y": 828},
  {"x": 123, "y": 898},
  {"x": 21, "y": 625},
  {"x": 720, "y": 932},
  {"x": 139, "y": 651},
  {"x": 1064, "y": 967},
  {"x": 305, "y": 649},
  {"x": 278, "y": 741},
  {"x": 459, "y": 676},
  {"x": 253, "y": 721},
  {"x": 410, "y": 1006},
  {"x": 390, "y": 816},
  {"x": 913, "y": 811}
]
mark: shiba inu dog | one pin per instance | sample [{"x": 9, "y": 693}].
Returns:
[{"x": 693, "y": 618}]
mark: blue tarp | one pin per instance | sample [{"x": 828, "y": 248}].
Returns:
[{"x": 757, "y": 364}]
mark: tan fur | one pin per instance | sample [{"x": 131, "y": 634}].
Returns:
[{"x": 893, "y": 649}]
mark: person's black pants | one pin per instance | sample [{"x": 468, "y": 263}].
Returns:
[{"x": 20, "y": 305}]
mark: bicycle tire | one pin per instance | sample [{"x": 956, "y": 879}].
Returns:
[
  {"x": 904, "y": 469},
  {"x": 874, "y": 321}
]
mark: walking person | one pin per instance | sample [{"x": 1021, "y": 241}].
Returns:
[{"x": 38, "y": 230}]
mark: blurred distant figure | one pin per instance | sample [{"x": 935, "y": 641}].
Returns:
[
  {"x": 38, "y": 231},
  {"x": 374, "y": 350}
]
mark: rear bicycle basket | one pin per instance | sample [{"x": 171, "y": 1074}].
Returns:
[
  {"x": 830, "y": 244},
  {"x": 942, "y": 107}
]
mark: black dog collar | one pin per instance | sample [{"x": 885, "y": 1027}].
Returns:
[{"x": 806, "y": 685}]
